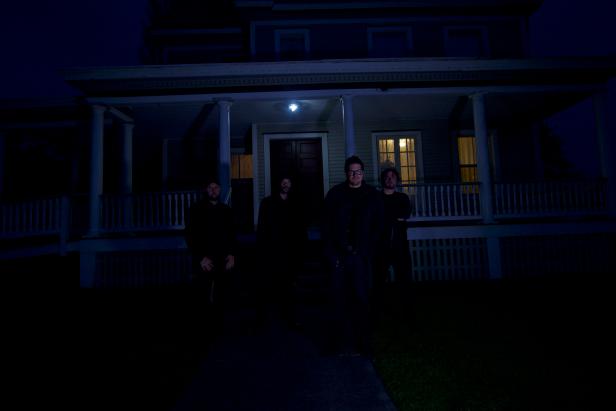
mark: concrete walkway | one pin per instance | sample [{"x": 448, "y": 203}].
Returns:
[{"x": 280, "y": 369}]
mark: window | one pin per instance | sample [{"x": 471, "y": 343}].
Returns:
[
  {"x": 389, "y": 42},
  {"x": 467, "y": 158},
  {"x": 241, "y": 166},
  {"x": 466, "y": 42},
  {"x": 292, "y": 44},
  {"x": 398, "y": 150}
]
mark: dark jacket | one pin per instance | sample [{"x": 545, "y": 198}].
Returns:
[
  {"x": 210, "y": 231},
  {"x": 281, "y": 226},
  {"x": 397, "y": 206},
  {"x": 352, "y": 220}
]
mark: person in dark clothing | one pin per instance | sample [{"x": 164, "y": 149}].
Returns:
[
  {"x": 353, "y": 217},
  {"x": 393, "y": 250},
  {"x": 281, "y": 240},
  {"x": 210, "y": 237}
]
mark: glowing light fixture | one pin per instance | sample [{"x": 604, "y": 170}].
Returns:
[{"x": 293, "y": 107}]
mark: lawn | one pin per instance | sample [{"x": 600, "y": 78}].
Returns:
[{"x": 508, "y": 345}]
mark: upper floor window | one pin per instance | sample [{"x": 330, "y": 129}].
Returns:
[
  {"x": 292, "y": 44},
  {"x": 399, "y": 150},
  {"x": 466, "y": 41},
  {"x": 390, "y": 42}
]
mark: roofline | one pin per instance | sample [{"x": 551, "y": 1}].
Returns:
[{"x": 332, "y": 67}]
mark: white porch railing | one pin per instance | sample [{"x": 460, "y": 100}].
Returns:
[
  {"x": 546, "y": 199},
  {"x": 37, "y": 217},
  {"x": 146, "y": 211},
  {"x": 448, "y": 201},
  {"x": 160, "y": 211}
]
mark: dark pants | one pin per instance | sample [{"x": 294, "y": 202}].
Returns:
[
  {"x": 350, "y": 305},
  {"x": 400, "y": 261},
  {"x": 210, "y": 295}
]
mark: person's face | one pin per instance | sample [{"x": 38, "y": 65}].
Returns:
[
  {"x": 213, "y": 191},
  {"x": 390, "y": 180},
  {"x": 355, "y": 175},
  {"x": 285, "y": 185}
]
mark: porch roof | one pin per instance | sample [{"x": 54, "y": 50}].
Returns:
[{"x": 336, "y": 74}]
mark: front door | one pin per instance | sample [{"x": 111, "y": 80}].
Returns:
[{"x": 301, "y": 160}]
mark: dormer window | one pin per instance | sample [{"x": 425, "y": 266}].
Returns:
[
  {"x": 389, "y": 42},
  {"x": 292, "y": 44},
  {"x": 466, "y": 41}
]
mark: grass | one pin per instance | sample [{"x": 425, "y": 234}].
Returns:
[
  {"x": 527, "y": 345},
  {"x": 492, "y": 346}
]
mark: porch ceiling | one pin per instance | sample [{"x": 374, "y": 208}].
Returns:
[{"x": 199, "y": 120}]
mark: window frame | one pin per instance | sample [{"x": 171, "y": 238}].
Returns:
[
  {"x": 493, "y": 151},
  {"x": 414, "y": 134}
]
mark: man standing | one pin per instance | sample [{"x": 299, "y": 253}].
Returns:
[
  {"x": 352, "y": 226},
  {"x": 393, "y": 250},
  {"x": 281, "y": 239},
  {"x": 210, "y": 236}
]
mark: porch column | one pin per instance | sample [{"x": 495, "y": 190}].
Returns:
[
  {"x": 349, "y": 125},
  {"x": 224, "y": 149},
  {"x": 127, "y": 158},
  {"x": 126, "y": 185},
  {"x": 96, "y": 167},
  {"x": 483, "y": 157},
  {"x": 2, "y": 162},
  {"x": 606, "y": 149},
  {"x": 539, "y": 170}
]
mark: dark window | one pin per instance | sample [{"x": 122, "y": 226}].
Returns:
[
  {"x": 389, "y": 42},
  {"x": 465, "y": 42},
  {"x": 292, "y": 44}
]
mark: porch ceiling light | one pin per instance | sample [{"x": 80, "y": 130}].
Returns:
[{"x": 293, "y": 107}]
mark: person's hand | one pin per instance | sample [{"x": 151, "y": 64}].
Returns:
[
  {"x": 229, "y": 262},
  {"x": 207, "y": 265}
]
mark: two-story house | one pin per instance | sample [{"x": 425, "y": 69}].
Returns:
[{"x": 249, "y": 90}]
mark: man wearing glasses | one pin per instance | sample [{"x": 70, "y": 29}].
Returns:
[{"x": 352, "y": 223}]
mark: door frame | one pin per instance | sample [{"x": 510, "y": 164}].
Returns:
[{"x": 294, "y": 136}]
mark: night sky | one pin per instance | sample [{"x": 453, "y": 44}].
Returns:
[{"x": 38, "y": 38}]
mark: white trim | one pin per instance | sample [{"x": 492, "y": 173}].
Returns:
[
  {"x": 343, "y": 5},
  {"x": 278, "y": 33},
  {"x": 331, "y": 67},
  {"x": 483, "y": 32},
  {"x": 165, "y": 165},
  {"x": 376, "y": 20},
  {"x": 335, "y": 93},
  {"x": 255, "y": 174},
  {"x": 415, "y": 134},
  {"x": 294, "y": 136},
  {"x": 509, "y": 230}
]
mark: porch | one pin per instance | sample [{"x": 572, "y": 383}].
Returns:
[
  {"x": 139, "y": 239},
  {"x": 65, "y": 217}
]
